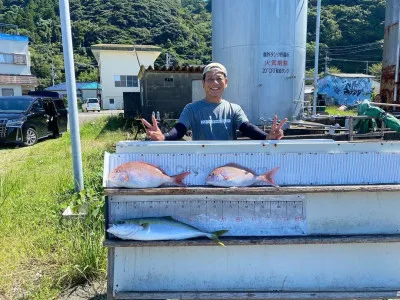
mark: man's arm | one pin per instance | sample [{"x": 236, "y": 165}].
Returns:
[
  {"x": 252, "y": 131},
  {"x": 154, "y": 133},
  {"x": 176, "y": 132},
  {"x": 255, "y": 133}
]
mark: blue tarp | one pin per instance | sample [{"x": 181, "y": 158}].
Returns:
[
  {"x": 79, "y": 86},
  {"x": 345, "y": 90},
  {"x": 13, "y": 37}
]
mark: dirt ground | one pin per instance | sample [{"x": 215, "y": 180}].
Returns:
[{"x": 96, "y": 290}]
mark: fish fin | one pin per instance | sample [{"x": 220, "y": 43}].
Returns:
[
  {"x": 145, "y": 225},
  {"x": 214, "y": 236},
  {"x": 269, "y": 177},
  {"x": 168, "y": 218},
  {"x": 235, "y": 165},
  {"x": 157, "y": 167},
  {"x": 178, "y": 179}
]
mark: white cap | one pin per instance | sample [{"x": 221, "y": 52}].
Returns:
[{"x": 211, "y": 66}]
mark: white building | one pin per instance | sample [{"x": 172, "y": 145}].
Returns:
[
  {"x": 119, "y": 66},
  {"x": 15, "y": 66}
]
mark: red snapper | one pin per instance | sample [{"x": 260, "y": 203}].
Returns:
[
  {"x": 137, "y": 174},
  {"x": 234, "y": 175}
]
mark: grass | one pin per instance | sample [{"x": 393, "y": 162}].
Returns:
[
  {"x": 334, "y": 111},
  {"x": 41, "y": 253}
]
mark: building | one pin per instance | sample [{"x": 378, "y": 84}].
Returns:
[
  {"x": 83, "y": 90},
  {"x": 119, "y": 66},
  {"x": 15, "y": 63},
  {"x": 346, "y": 89},
  {"x": 166, "y": 90}
]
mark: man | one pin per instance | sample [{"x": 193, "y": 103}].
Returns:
[{"x": 213, "y": 118}]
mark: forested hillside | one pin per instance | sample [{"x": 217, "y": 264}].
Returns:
[{"x": 350, "y": 30}]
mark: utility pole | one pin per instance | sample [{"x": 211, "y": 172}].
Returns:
[
  {"x": 53, "y": 73},
  {"x": 326, "y": 62},
  {"x": 316, "y": 57},
  {"x": 167, "y": 60},
  {"x": 71, "y": 92}
]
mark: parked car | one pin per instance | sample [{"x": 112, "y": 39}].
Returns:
[
  {"x": 26, "y": 119},
  {"x": 91, "y": 104}
]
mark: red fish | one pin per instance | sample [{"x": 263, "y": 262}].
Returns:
[
  {"x": 233, "y": 175},
  {"x": 137, "y": 174}
]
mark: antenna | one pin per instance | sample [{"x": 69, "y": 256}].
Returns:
[{"x": 137, "y": 56}]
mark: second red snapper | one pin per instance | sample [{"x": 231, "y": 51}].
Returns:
[
  {"x": 234, "y": 175},
  {"x": 137, "y": 174}
]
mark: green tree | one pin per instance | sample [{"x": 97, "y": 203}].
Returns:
[{"x": 376, "y": 70}]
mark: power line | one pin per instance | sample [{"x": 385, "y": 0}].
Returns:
[
  {"x": 353, "y": 60},
  {"x": 352, "y": 52},
  {"x": 353, "y": 46}
]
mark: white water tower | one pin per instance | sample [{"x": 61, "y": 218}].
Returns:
[{"x": 262, "y": 43}]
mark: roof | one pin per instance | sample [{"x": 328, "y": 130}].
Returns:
[
  {"x": 349, "y": 75},
  {"x": 126, "y": 47},
  {"x": 79, "y": 86},
  {"x": 13, "y": 37},
  {"x": 18, "y": 79},
  {"x": 187, "y": 68},
  {"x": 171, "y": 69}
]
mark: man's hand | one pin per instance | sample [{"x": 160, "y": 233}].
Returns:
[
  {"x": 276, "y": 132},
  {"x": 152, "y": 131}
]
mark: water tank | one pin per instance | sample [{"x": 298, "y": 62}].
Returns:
[
  {"x": 390, "y": 55},
  {"x": 262, "y": 43}
]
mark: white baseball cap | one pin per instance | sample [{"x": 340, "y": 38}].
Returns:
[{"x": 211, "y": 66}]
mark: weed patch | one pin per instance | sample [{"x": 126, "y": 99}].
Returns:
[{"x": 42, "y": 253}]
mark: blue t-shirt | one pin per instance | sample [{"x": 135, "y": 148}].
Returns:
[{"x": 212, "y": 121}]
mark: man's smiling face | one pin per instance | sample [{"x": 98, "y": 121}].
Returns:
[{"x": 214, "y": 85}]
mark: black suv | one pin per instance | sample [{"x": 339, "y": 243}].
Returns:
[{"x": 26, "y": 119}]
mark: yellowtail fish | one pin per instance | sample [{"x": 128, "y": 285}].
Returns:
[
  {"x": 234, "y": 175},
  {"x": 137, "y": 174},
  {"x": 159, "y": 228}
]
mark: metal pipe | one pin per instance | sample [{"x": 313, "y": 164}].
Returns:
[
  {"x": 71, "y": 93},
  {"x": 316, "y": 57},
  {"x": 396, "y": 76}
]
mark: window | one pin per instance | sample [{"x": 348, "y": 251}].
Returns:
[
  {"x": 19, "y": 59},
  {"x": 6, "y": 58},
  {"x": 111, "y": 101},
  {"x": 37, "y": 106},
  {"x": 9, "y": 58},
  {"x": 7, "y": 92},
  {"x": 168, "y": 82},
  {"x": 125, "y": 81}
]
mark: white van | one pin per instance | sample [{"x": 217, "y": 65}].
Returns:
[{"x": 91, "y": 104}]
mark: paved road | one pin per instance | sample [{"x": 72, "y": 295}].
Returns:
[{"x": 89, "y": 116}]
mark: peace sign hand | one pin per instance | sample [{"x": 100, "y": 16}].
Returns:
[
  {"x": 276, "y": 132},
  {"x": 152, "y": 131}
]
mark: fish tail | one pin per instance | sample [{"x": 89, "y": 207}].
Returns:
[
  {"x": 178, "y": 179},
  {"x": 269, "y": 177},
  {"x": 214, "y": 236}
]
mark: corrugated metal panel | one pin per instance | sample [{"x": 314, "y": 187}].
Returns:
[
  {"x": 324, "y": 165},
  {"x": 263, "y": 46}
]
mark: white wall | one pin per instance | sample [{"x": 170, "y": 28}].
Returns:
[
  {"x": 17, "y": 89},
  {"x": 197, "y": 90},
  {"x": 120, "y": 63},
  {"x": 15, "y": 47}
]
